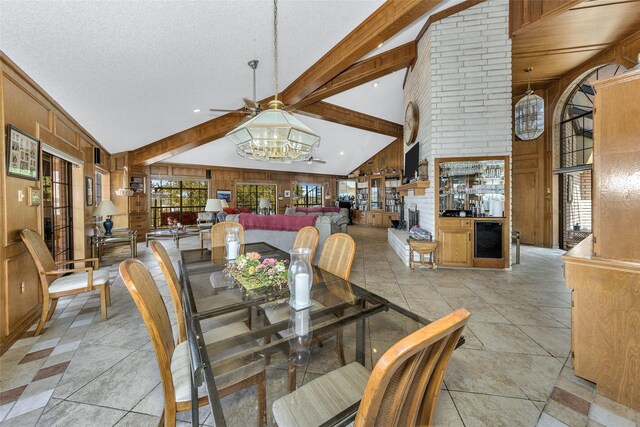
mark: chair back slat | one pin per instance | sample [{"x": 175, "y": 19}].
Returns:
[
  {"x": 338, "y": 254},
  {"x": 307, "y": 237},
  {"x": 218, "y": 232},
  {"x": 175, "y": 287},
  {"x": 146, "y": 295},
  {"x": 40, "y": 253},
  {"x": 404, "y": 385}
]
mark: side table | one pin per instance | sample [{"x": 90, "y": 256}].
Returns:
[
  {"x": 423, "y": 248},
  {"x": 98, "y": 242}
]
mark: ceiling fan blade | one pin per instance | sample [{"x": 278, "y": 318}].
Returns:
[
  {"x": 219, "y": 110},
  {"x": 319, "y": 161},
  {"x": 250, "y": 104}
]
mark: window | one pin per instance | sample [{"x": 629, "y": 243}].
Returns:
[
  {"x": 307, "y": 195},
  {"x": 249, "y": 195},
  {"x": 576, "y": 157},
  {"x": 98, "y": 190},
  {"x": 178, "y": 199}
]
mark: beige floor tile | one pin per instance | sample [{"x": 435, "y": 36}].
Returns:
[
  {"x": 557, "y": 341},
  {"x": 506, "y": 338},
  {"x": 494, "y": 411}
]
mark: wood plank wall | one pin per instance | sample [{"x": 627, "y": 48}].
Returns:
[
  {"x": 28, "y": 107},
  {"x": 533, "y": 201},
  {"x": 223, "y": 178},
  {"x": 392, "y": 156}
]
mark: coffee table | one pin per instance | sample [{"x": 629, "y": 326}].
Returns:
[{"x": 173, "y": 234}]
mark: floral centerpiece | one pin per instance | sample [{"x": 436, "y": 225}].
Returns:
[{"x": 253, "y": 273}]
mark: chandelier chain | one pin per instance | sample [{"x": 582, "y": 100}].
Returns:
[{"x": 275, "y": 45}]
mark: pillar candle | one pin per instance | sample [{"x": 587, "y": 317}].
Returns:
[{"x": 303, "y": 290}]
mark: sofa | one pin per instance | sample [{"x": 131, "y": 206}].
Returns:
[
  {"x": 281, "y": 230},
  {"x": 339, "y": 216}
]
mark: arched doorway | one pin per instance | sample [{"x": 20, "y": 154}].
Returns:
[{"x": 574, "y": 157}]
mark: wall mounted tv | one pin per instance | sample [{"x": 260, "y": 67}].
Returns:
[{"x": 411, "y": 160}]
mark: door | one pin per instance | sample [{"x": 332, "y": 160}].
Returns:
[
  {"x": 525, "y": 206},
  {"x": 455, "y": 247},
  {"x": 56, "y": 201}
]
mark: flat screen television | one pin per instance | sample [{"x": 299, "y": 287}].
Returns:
[{"x": 411, "y": 160}]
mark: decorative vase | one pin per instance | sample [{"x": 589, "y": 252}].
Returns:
[
  {"x": 232, "y": 242},
  {"x": 300, "y": 278}
]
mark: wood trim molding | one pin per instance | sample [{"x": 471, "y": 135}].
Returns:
[
  {"x": 545, "y": 17},
  {"x": 344, "y": 116},
  {"x": 446, "y": 13},
  {"x": 363, "y": 72},
  {"x": 385, "y": 22}
]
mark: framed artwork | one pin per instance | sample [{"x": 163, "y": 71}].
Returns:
[
  {"x": 35, "y": 196},
  {"x": 224, "y": 195},
  {"x": 88, "y": 190},
  {"x": 23, "y": 154},
  {"x": 287, "y": 193}
]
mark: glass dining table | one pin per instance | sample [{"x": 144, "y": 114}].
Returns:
[{"x": 367, "y": 323}]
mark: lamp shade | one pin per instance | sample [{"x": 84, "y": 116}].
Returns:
[
  {"x": 213, "y": 205},
  {"x": 265, "y": 203},
  {"x": 224, "y": 203},
  {"x": 106, "y": 208}
]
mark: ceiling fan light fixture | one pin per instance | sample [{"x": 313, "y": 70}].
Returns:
[{"x": 274, "y": 135}]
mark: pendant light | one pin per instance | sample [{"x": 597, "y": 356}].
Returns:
[
  {"x": 274, "y": 135},
  {"x": 529, "y": 114}
]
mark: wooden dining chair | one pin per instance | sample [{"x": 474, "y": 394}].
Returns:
[
  {"x": 218, "y": 232},
  {"x": 402, "y": 389},
  {"x": 174, "y": 359},
  {"x": 307, "y": 237},
  {"x": 338, "y": 254},
  {"x": 175, "y": 290},
  {"x": 56, "y": 282}
]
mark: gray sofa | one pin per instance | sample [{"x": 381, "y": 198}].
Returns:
[
  {"x": 339, "y": 220},
  {"x": 284, "y": 239}
]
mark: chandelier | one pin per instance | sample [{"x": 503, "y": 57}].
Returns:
[
  {"x": 274, "y": 135},
  {"x": 529, "y": 114}
]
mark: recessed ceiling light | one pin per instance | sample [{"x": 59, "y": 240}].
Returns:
[
  {"x": 197, "y": 110},
  {"x": 375, "y": 84},
  {"x": 380, "y": 45},
  {"x": 342, "y": 153}
]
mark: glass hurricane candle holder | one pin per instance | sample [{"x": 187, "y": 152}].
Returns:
[
  {"x": 232, "y": 242},
  {"x": 300, "y": 278}
]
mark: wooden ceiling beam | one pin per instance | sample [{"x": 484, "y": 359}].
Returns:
[
  {"x": 446, "y": 13},
  {"x": 344, "y": 116},
  {"x": 363, "y": 72},
  {"x": 386, "y": 21}
]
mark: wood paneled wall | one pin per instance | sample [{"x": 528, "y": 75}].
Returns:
[
  {"x": 533, "y": 200},
  {"x": 392, "y": 156},
  {"x": 525, "y": 14},
  {"x": 223, "y": 178},
  {"x": 28, "y": 107}
]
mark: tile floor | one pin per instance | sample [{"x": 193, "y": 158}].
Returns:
[{"x": 512, "y": 371}]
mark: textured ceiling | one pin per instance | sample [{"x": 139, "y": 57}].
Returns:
[{"x": 133, "y": 72}]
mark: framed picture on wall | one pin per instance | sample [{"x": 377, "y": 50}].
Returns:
[
  {"x": 287, "y": 193},
  {"x": 88, "y": 190},
  {"x": 35, "y": 196},
  {"x": 224, "y": 195},
  {"x": 23, "y": 154}
]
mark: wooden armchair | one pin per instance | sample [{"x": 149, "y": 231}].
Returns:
[
  {"x": 55, "y": 282},
  {"x": 402, "y": 389},
  {"x": 219, "y": 329}
]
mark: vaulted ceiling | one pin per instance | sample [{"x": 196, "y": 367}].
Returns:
[{"x": 134, "y": 72}]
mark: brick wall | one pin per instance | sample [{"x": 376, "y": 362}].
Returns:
[{"x": 461, "y": 84}]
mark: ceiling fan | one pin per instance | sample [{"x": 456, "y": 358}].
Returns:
[
  {"x": 251, "y": 108},
  {"x": 312, "y": 159}
]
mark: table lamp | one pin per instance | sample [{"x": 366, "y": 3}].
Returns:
[
  {"x": 224, "y": 203},
  {"x": 106, "y": 208},
  {"x": 264, "y": 205},
  {"x": 213, "y": 205}
]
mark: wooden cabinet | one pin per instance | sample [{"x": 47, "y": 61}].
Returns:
[
  {"x": 603, "y": 270},
  {"x": 377, "y": 200},
  {"x": 456, "y": 243}
]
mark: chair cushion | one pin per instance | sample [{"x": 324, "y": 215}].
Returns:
[
  {"x": 321, "y": 399},
  {"x": 78, "y": 281},
  {"x": 239, "y": 371}
]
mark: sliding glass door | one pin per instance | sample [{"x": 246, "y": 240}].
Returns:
[{"x": 56, "y": 212}]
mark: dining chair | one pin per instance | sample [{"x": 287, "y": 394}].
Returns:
[
  {"x": 401, "y": 390},
  {"x": 217, "y": 234},
  {"x": 55, "y": 282},
  {"x": 338, "y": 254},
  {"x": 174, "y": 359},
  {"x": 175, "y": 290},
  {"x": 307, "y": 237}
]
